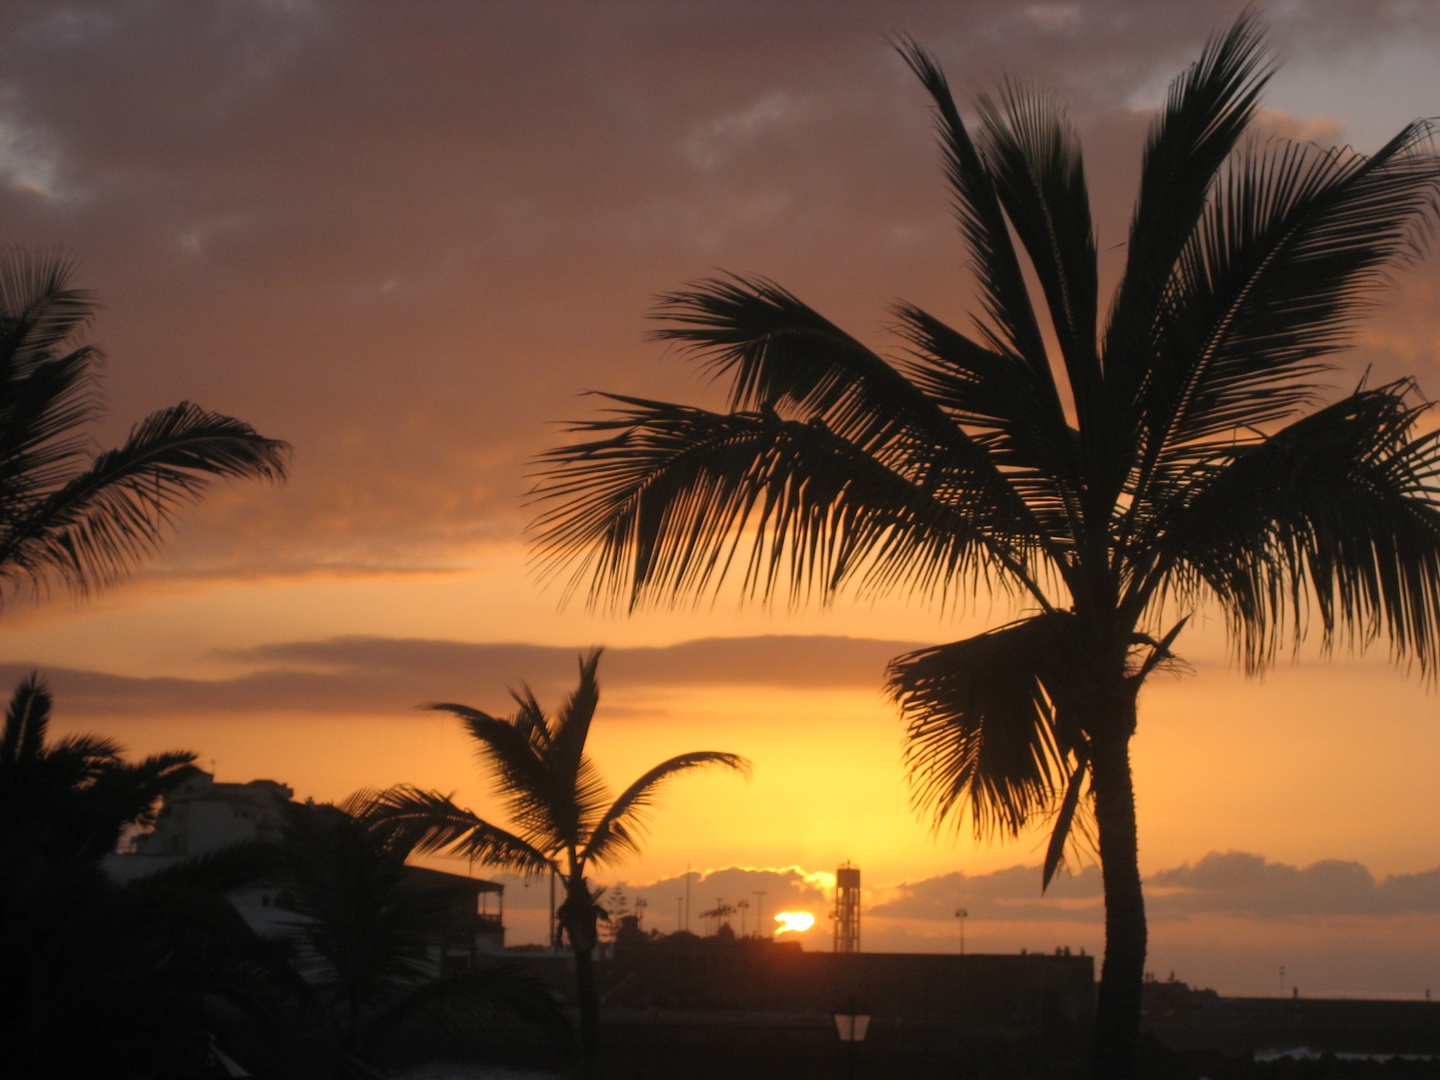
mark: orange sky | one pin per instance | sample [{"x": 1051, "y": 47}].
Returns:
[{"x": 405, "y": 238}]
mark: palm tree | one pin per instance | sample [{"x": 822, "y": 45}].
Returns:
[
  {"x": 72, "y": 799},
  {"x": 563, "y": 820},
  {"x": 64, "y": 514},
  {"x": 1126, "y": 478}
]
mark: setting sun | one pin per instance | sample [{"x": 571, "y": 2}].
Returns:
[{"x": 794, "y": 920}]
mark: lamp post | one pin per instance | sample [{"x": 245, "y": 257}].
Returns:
[
  {"x": 962, "y": 914},
  {"x": 851, "y": 1025}
]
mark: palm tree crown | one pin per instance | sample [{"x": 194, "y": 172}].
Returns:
[
  {"x": 560, "y": 806},
  {"x": 1173, "y": 457},
  {"x": 563, "y": 818},
  {"x": 63, "y": 513}
]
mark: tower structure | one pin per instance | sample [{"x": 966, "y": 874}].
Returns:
[{"x": 847, "y": 909}]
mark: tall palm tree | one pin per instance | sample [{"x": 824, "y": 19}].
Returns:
[
  {"x": 72, "y": 798},
  {"x": 64, "y": 514},
  {"x": 1110, "y": 484},
  {"x": 563, "y": 820}
]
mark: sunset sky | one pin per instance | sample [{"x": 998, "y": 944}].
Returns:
[{"x": 407, "y": 237}]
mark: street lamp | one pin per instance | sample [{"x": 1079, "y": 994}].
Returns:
[
  {"x": 962, "y": 914},
  {"x": 851, "y": 1025}
]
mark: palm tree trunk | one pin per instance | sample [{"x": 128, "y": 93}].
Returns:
[
  {"x": 1117, "y": 1009},
  {"x": 589, "y": 1009},
  {"x": 579, "y": 915}
]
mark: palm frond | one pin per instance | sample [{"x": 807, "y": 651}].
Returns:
[
  {"x": 1012, "y": 415},
  {"x": 1004, "y": 295},
  {"x": 227, "y": 868},
  {"x": 1339, "y": 512},
  {"x": 1294, "y": 241},
  {"x": 42, "y": 413},
  {"x": 26, "y": 718},
  {"x": 780, "y": 353},
  {"x": 99, "y": 524},
  {"x": 618, "y": 832},
  {"x": 435, "y": 823},
  {"x": 1034, "y": 159},
  {"x": 1206, "y": 111},
  {"x": 785, "y": 357},
  {"x": 660, "y": 511},
  {"x": 39, "y": 308},
  {"x": 571, "y": 768},
  {"x": 990, "y": 722},
  {"x": 512, "y": 751}
]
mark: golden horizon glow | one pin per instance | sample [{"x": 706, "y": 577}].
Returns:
[{"x": 794, "y": 922}]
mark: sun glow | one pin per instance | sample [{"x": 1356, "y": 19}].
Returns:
[{"x": 794, "y": 920}]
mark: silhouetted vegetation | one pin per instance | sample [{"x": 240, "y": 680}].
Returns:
[
  {"x": 563, "y": 819},
  {"x": 1157, "y": 464},
  {"x": 161, "y": 976},
  {"x": 72, "y": 798},
  {"x": 69, "y": 516},
  {"x": 366, "y": 936}
]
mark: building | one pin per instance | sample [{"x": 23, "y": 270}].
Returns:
[{"x": 201, "y": 816}]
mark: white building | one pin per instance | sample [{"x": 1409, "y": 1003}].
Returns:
[{"x": 201, "y": 816}]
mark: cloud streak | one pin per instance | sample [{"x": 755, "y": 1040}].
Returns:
[
  {"x": 1231, "y": 883},
  {"x": 369, "y": 675}
]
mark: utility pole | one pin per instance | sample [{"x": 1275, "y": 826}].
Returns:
[{"x": 961, "y": 914}]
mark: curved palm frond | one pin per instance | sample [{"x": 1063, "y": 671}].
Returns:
[
  {"x": 432, "y": 822},
  {"x": 785, "y": 357},
  {"x": 618, "y": 832},
  {"x": 990, "y": 723},
  {"x": 1294, "y": 240},
  {"x": 662, "y": 509},
  {"x": 1339, "y": 510},
  {"x": 100, "y": 523},
  {"x": 511, "y": 751}
]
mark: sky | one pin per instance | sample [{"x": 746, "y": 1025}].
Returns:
[{"x": 409, "y": 238}]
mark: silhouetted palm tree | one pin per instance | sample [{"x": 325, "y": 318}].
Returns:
[
  {"x": 563, "y": 821},
  {"x": 63, "y": 513},
  {"x": 72, "y": 799},
  {"x": 1173, "y": 465}
]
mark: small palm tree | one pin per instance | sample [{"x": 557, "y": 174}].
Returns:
[
  {"x": 65, "y": 514},
  {"x": 563, "y": 821},
  {"x": 1173, "y": 459},
  {"x": 72, "y": 799}
]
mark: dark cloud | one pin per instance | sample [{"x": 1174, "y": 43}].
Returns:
[
  {"x": 387, "y": 675},
  {"x": 406, "y": 236},
  {"x": 1240, "y": 883},
  {"x": 1233, "y": 883},
  {"x": 1008, "y": 895}
]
